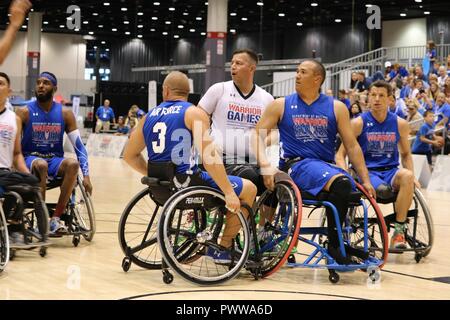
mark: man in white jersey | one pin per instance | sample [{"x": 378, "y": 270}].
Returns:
[
  {"x": 235, "y": 107},
  {"x": 10, "y": 153}
]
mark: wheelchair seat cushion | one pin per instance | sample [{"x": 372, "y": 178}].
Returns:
[{"x": 354, "y": 198}]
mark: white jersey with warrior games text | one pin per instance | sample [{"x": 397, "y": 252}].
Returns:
[
  {"x": 233, "y": 116},
  {"x": 8, "y": 132}
]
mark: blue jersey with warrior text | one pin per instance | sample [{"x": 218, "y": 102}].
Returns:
[
  {"x": 379, "y": 141},
  {"x": 308, "y": 131},
  {"x": 167, "y": 138},
  {"x": 44, "y": 132}
]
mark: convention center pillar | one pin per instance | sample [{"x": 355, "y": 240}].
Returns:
[
  {"x": 33, "y": 52},
  {"x": 216, "y": 41}
]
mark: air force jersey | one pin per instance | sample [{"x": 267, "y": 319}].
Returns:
[
  {"x": 44, "y": 132},
  {"x": 233, "y": 116},
  {"x": 379, "y": 141},
  {"x": 308, "y": 131},
  {"x": 167, "y": 138}
]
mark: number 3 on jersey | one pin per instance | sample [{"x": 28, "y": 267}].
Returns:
[{"x": 158, "y": 146}]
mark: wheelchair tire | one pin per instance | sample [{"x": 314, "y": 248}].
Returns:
[
  {"x": 84, "y": 216},
  {"x": 4, "y": 242},
  {"x": 184, "y": 245},
  {"x": 377, "y": 231},
  {"x": 138, "y": 212},
  {"x": 425, "y": 236},
  {"x": 284, "y": 228}
]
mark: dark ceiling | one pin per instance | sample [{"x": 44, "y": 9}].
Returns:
[{"x": 188, "y": 19}]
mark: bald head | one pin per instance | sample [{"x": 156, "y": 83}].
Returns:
[{"x": 176, "y": 85}]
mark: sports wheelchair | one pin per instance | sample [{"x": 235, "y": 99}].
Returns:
[
  {"x": 363, "y": 236},
  {"x": 15, "y": 198},
  {"x": 185, "y": 219},
  {"x": 79, "y": 216},
  {"x": 419, "y": 234}
]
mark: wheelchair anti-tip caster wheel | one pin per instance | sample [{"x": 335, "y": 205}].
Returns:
[
  {"x": 291, "y": 259},
  {"x": 257, "y": 274},
  {"x": 167, "y": 278},
  {"x": 333, "y": 277},
  {"x": 43, "y": 251},
  {"x": 76, "y": 241},
  {"x": 418, "y": 257},
  {"x": 374, "y": 276},
  {"x": 12, "y": 254},
  {"x": 126, "y": 264}
]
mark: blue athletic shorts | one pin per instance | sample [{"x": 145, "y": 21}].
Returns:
[
  {"x": 53, "y": 164},
  {"x": 380, "y": 177},
  {"x": 236, "y": 182},
  {"x": 311, "y": 175}
]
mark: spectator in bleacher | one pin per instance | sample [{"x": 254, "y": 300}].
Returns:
[
  {"x": 395, "y": 89},
  {"x": 448, "y": 64},
  {"x": 425, "y": 137},
  {"x": 387, "y": 70},
  {"x": 139, "y": 112},
  {"x": 418, "y": 72},
  {"x": 435, "y": 69},
  {"x": 397, "y": 73},
  {"x": 447, "y": 88},
  {"x": 432, "y": 78},
  {"x": 431, "y": 53},
  {"x": 105, "y": 115},
  {"x": 443, "y": 110},
  {"x": 132, "y": 124},
  {"x": 355, "y": 110},
  {"x": 442, "y": 72},
  {"x": 425, "y": 102},
  {"x": 131, "y": 115},
  {"x": 353, "y": 80},
  {"x": 342, "y": 96},
  {"x": 433, "y": 90},
  {"x": 122, "y": 129},
  {"x": 407, "y": 86},
  {"x": 413, "y": 116},
  {"x": 416, "y": 88},
  {"x": 397, "y": 106},
  {"x": 363, "y": 83},
  {"x": 329, "y": 93},
  {"x": 363, "y": 102}
]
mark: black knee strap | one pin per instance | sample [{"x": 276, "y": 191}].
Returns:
[
  {"x": 339, "y": 191},
  {"x": 341, "y": 188}
]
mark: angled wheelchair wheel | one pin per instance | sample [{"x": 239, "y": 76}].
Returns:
[
  {"x": 4, "y": 242},
  {"x": 378, "y": 242},
  {"x": 280, "y": 233},
  {"x": 420, "y": 231},
  {"x": 191, "y": 223},
  {"x": 82, "y": 212},
  {"x": 137, "y": 231}
]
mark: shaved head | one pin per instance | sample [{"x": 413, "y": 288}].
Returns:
[{"x": 178, "y": 83}]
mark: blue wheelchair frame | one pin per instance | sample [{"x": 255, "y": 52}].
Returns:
[{"x": 321, "y": 259}]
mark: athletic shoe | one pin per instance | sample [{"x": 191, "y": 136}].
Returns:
[
  {"x": 57, "y": 226},
  {"x": 398, "y": 240},
  {"x": 219, "y": 256}
]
